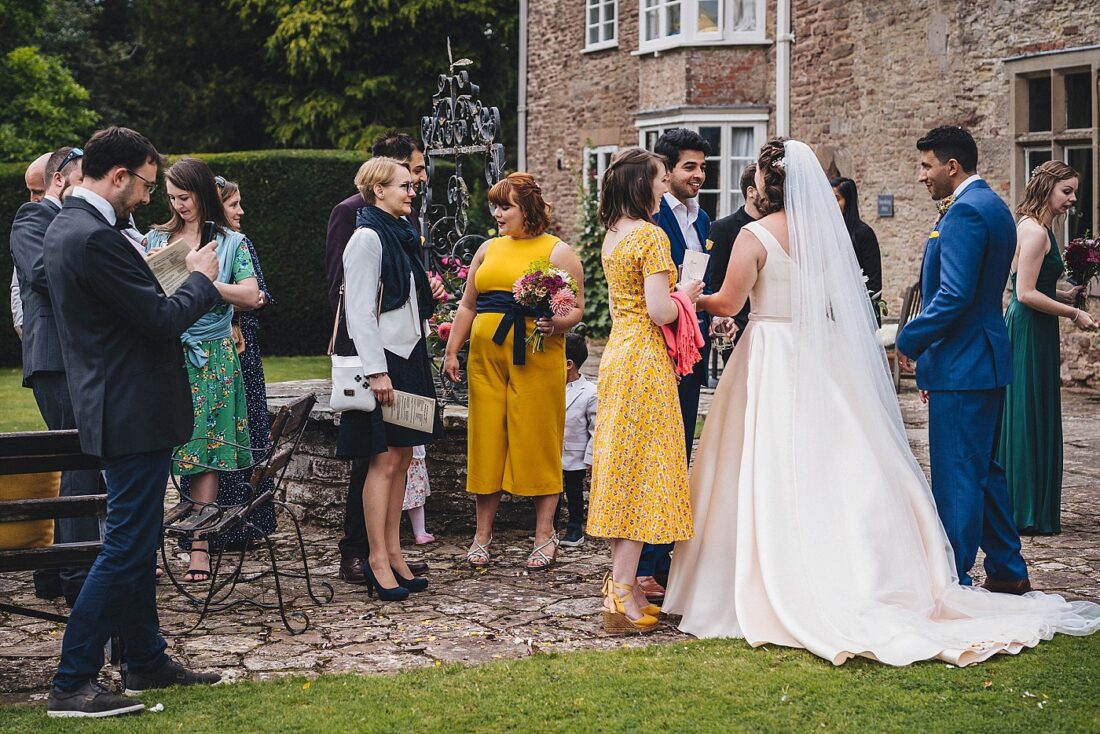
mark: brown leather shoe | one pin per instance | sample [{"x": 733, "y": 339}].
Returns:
[
  {"x": 351, "y": 571},
  {"x": 1004, "y": 586},
  {"x": 653, "y": 590},
  {"x": 417, "y": 567}
]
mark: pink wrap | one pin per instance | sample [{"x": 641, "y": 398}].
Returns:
[{"x": 682, "y": 336}]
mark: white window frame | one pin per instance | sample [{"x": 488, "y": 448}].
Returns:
[
  {"x": 689, "y": 22},
  {"x": 604, "y": 7},
  {"x": 730, "y": 194},
  {"x": 603, "y": 154}
]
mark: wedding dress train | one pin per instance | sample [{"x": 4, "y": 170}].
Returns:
[{"x": 814, "y": 525}]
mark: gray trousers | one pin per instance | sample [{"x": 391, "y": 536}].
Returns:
[{"x": 51, "y": 392}]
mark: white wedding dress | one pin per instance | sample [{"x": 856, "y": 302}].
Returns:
[{"x": 814, "y": 525}]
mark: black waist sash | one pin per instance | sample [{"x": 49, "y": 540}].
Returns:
[{"x": 515, "y": 318}]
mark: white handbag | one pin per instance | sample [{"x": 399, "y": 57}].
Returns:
[{"x": 350, "y": 387}]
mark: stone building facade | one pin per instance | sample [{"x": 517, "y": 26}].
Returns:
[{"x": 867, "y": 78}]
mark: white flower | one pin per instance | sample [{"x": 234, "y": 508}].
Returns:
[{"x": 780, "y": 163}]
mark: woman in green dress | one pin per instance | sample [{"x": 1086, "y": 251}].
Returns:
[
  {"x": 1030, "y": 446},
  {"x": 218, "y": 396}
]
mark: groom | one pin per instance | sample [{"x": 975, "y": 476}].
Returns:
[{"x": 964, "y": 357}]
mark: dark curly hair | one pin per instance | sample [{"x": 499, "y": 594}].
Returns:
[
  {"x": 771, "y": 197},
  {"x": 522, "y": 190}
]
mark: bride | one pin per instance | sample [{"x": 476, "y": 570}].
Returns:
[{"x": 814, "y": 524}]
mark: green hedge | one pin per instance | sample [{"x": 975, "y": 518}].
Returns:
[{"x": 287, "y": 196}]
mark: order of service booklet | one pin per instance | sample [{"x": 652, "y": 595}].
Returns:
[
  {"x": 694, "y": 267},
  {"x": 169, "y": 265},
  {"x": 411, "y": 411}
]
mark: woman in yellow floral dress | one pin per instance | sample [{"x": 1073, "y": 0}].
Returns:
[{"x": 640, "y": 488}]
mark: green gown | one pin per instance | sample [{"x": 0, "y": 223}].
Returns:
[{"x": 1030, "y": 447}]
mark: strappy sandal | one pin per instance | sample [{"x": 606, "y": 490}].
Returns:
[
  {"x": 198, "y": 575},
  {"x": 538, "y": 560},
  {"x": 478, "y": 556},
  {"x": 615, "y": 619}
]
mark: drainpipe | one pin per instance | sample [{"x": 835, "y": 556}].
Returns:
[
  {"x": 521, "y": 101},
  {"x": 783, "y": 39}
]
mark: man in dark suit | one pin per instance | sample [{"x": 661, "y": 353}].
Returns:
[
  {"x": 35, "y": 179},
  {"x": 688, "y": 228},
  {"x": 964, "y": 358},
  {"x": 43, "y": 368},
  {"x": 124, "y": 364},
  {"x": 341, "y": 225},
  {"x": 723, "y": 233}
]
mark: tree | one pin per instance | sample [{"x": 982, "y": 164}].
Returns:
[
  {"x": 41, "y": 105},
  {"x": 345, "y": 69}
]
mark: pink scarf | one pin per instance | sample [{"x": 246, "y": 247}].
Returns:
[{"x": 682, "y": 336}]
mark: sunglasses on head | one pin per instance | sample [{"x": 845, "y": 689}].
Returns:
[{"x": 71, "y": 156}]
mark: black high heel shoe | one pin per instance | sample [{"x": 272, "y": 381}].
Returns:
[
  {"x": 397, "y": 593},
  {"x": 415, "y": 584}
]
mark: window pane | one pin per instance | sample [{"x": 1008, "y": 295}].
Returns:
[
  {"x": 651, "y": 139},
  {"x": 1079, "y": 100},
  {"x": 713, "y": 136},
  {"x": 609, "y": 30},
  {"x": 1079, "y": 219},
  {"x": 1035, "y": 158},
  {"x": 708, "y": 16},
  {"x": 709, "y": 203},
  {"x": 741, "y": 140},
  {"x": 1038, "y": 104},
  {"x": 744, "y": 15},
  {"x": 652, "y": 26},
  {"x": 593, "y": 13},
  {"x": 609, "y": 10},
  {"x": 673, "y": 19},
  {"x": 713, "y": 179}
]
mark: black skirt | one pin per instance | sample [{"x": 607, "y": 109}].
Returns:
[{"x": 363, "y": 435}]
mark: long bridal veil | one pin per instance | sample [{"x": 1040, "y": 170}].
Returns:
[{"x": 877, "y": 565}]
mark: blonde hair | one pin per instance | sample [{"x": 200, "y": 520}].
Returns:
[
  {"x": 378, "y": 171},
  {"x": 1040, "y": 185}
]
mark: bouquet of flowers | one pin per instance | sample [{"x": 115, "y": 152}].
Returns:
[
  {"x": 1082, "y": 256},
  {"x": 548, "y": 291}
]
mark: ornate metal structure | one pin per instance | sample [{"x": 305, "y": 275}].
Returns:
[{"x": 459, "y": 127}]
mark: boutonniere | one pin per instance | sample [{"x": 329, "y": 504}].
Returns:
[
  {"x": 934, "y": 235},
  {"x": 708, "y": 245}
]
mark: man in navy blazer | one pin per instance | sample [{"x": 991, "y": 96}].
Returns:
[
  {"x": 132, "y": 402},
  {"x": 964, "y": 357},
  {"x": 687, "y": 227}
]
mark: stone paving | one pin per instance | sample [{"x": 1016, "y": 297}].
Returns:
[{"x": 504, "y": 612}]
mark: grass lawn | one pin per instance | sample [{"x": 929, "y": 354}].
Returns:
[
  {"x": 18, "y": 411},
  {"x": 704, "y": 686}
]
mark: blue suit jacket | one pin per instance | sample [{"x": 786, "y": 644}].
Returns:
[
  {"x": 666, "y": 220},
  {"x": 960, "y": 340}
]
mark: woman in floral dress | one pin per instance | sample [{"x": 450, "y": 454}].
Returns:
[
  {"x": 640, "y": 490},
  {"x": 220, "y": 438}
]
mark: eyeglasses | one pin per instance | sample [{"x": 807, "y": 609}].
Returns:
[
  {"x": 409, "y": 187},
  {"x": 150, "y": 186},
  {"x": 71, "y": 156},
  {"x": 219, "y": 181}
]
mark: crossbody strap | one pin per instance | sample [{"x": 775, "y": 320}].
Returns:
[{"x": 339, "y": 311}]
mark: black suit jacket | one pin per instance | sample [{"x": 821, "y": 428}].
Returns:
[
  {"x": 120, "y": 336},
  {"x": 723, "y": 233},
  {"x": 41, "y": 345}
]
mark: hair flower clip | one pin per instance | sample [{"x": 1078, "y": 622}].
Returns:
[{"x": 780, "y": 163}]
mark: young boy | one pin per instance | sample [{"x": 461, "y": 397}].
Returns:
[{"x": 580, "y": 426}]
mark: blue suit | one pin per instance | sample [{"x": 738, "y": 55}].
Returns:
[
  {"x": 655, "y": 558},
  {"x": 964, "y": 361}
]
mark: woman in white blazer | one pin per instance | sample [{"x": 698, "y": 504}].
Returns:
[{"x": 388, "y": 298}]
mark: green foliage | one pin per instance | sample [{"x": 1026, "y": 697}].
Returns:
[
  {"x": 18, "y": 20},
  {"x": 41, "y": 105},
  {"x": 342, "y": 70},
  {"x": 597, "y": 306},
  {"x": 683, "y": 686},
  {"x": 287, "y": 196}
]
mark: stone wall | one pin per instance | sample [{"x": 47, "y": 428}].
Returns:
[{"x": 316, "y": 481}]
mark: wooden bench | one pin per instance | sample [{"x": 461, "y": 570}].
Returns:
[{"x": 42, "y": 452}]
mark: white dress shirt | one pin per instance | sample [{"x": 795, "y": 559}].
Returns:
[
  {"x": 686, "y": 212},
  {"x": 397, "y": 331},
  {"x": 964, "y": 184},
  {"x": 102, "y": 205}
]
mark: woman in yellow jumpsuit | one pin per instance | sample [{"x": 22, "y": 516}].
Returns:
[{"x": 517, "y": 396}]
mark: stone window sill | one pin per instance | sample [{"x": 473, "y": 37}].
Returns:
[{"x": 657, "y": 47}]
